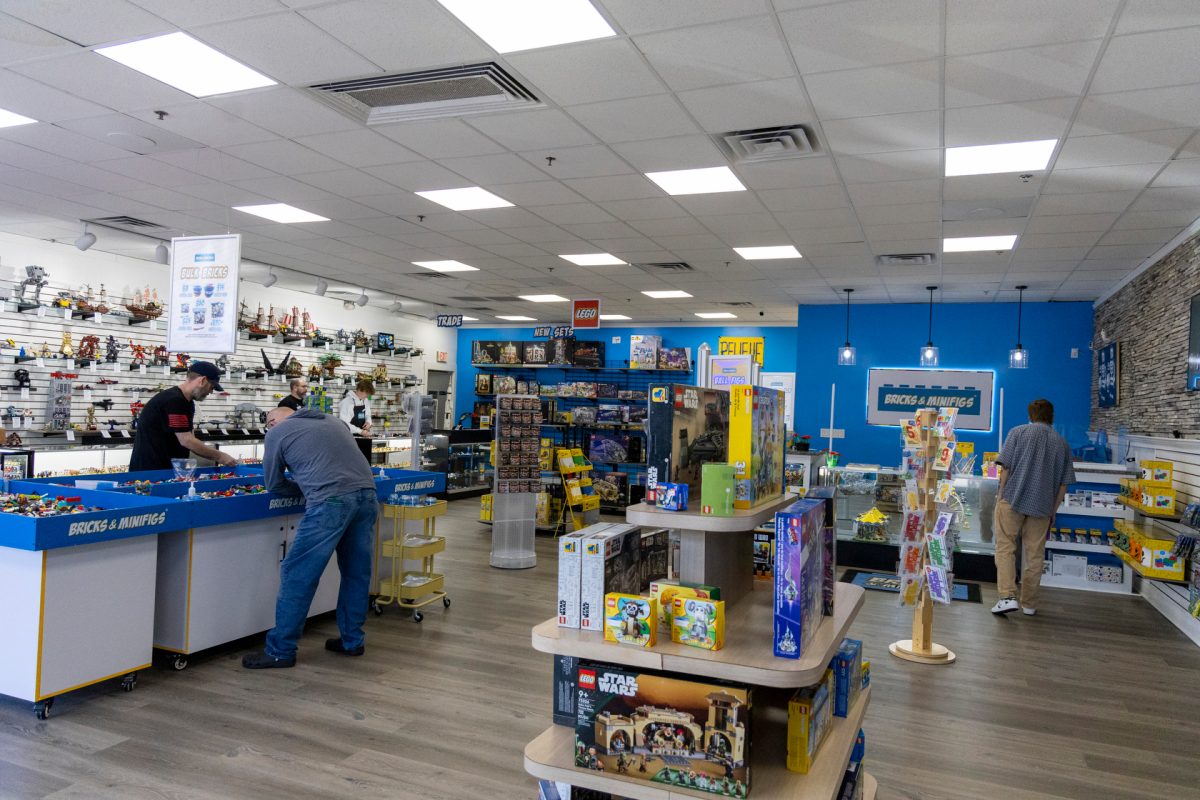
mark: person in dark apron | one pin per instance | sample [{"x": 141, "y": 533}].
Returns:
[{"x": 355, "y": 408}]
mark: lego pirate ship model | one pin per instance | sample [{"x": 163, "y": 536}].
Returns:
[{"x": 145, "y": 305}]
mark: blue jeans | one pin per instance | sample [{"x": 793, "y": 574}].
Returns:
[{"x": 346, "y": 525}]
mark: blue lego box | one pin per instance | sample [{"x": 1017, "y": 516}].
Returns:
[
  {"x": 799, "y": 576},
  {"x": 672, "y": 496},
  {"x": 847, "y": 676}
]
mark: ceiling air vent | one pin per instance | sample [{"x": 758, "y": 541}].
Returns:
[
  {"x": 430, "y": 276},
  {"x": 428, "y": 94},
  {"x": 124, "y": 222},
  {"x": 666, "y": 266},
  {"x": 906, "y": 260},
  {"x": 767, "y": 144},
  {"x": 738, "y": 304}
]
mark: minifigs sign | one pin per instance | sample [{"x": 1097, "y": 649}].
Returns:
[{"x": 741, "y": 346}]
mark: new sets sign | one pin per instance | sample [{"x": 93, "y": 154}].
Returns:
[{"x": 894, "y": 395}]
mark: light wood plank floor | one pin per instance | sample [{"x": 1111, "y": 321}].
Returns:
[{"x": 1093, "y": 699}]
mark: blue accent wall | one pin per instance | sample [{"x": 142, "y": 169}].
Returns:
[
  {"x": 779, "y": 348},
  {"x": 969, "y": 336}
]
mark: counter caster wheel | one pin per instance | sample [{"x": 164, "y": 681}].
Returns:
[
  {"x": 378, "y": 609},
  {"x": 130, "y": 681},
  {"x": 445, "y": 602},
  {"x": 41, "y": 709},
  {"x": 418, "y": 616},
  {"x": 179, "y": 663}
]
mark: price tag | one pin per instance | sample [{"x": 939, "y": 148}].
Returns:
[
  {"x": 94, "y": 367},
  {"x": 27, "y": 422},
  {"x": 41, "y": 312},
  {"x": 66, "y": 313},
  {"x": 99, "y": 319},
  {"x": 304, "y": 342},
  {"x": 105, "y": 434},
  {"x": 354, "y": 350},
  {"x": 70, "y": 435},
  {"x": 166, "y": 372},
  {"x": 116, "y": 365},
  {"x": 153, "y": 324},
  {"x": 123, "y": 432},
  {"x": 39, "y": 362},
  {"x": 283, "y": 379},
  {"x": 329, "y": 345},
  {"x": 24, "y": 392},
  {"x": 258, "y": 391},
  {"x": 224, "y": 431},
  {"x": 246, "y": 431},
  {"x": 141, "y": 369},
  {"x": 3, "y": 395},
  {"x": 87, "y": 395},
  {"x": 109, "y": 388},
  {"x": 258, "y": 431}
]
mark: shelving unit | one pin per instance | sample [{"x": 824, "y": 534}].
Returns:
[{"x": 410, "y": 589}]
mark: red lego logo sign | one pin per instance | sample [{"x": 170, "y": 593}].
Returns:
[
  {"x": 586, "y": 313},
  {"x": 587, "y": 679}
]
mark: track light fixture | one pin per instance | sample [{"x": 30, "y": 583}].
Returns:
[
  {"x": 362, "y": 298},
  {"x": 271, "y": 279},
  {"x": 162, "y": 253},
  {"x": 322, "y": 287},
  {"x": 86, "y": 240}
]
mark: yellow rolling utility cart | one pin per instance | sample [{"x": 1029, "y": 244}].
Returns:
[{"x": 412, "y": 589}]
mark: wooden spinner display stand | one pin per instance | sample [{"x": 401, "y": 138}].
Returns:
[{"x": 921, "y": 648}]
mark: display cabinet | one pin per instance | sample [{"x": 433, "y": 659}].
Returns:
[{"x": 465, "y": 457}]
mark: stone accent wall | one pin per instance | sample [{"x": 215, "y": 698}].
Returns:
[{"x": 1150, "y": 317}]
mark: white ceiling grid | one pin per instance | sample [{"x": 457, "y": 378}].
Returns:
[{"x": 884, "y": 86}]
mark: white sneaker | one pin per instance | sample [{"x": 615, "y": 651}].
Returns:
[
  {"x": 1029, "y": 612},
  {"x": 1005, "y": 605}
]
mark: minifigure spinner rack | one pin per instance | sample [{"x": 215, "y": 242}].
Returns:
[{"x": 921, "y": 648}]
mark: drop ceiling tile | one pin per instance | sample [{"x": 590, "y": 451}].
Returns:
[
  {"x": 20, "y": 155},
  {"x": 1149, "y": 60},
  {"x": 717, "y": 54},
  {"x": 817, "y": 218},
  {"x": 23, "y": 41},
  {"x": 1026, "y": 255},
  {"x": 975, "y": 26},
  {"x": 725, "y": 224},
  {"x": 102, "y": 81},
  {"x": 639, "y": 118},
  {"x": 150, "y": 170},
  {"x": 676, "y": 226},
  {"x": 222, "y": 194},
  {"x": 1071, "y": 223},
  {"x": 623, "y": 247},
  {"x": 1142, "y": 250},
  {"x": 38, "y": 101},
  {"x": 1077, "y": 239},
  {"x": 537, "y": 193},
  {"x": 1147, "y": 15},
  {"x": 579, "y": 162},
  {"x": 599, "y": 230},
  {"x": 1142, "y": 110},
  {"x": 547, "y": 129},
  {"x": 1101, "y": 179},
  {"x": 692, "y": 242},
  {"x": 636, "y": 16},
  {"x": 206, "y": 124},
  {"x": 899, "y": 214},
  {"x": 1168, "y": 199},
  {"x": 347, "y": 183},
  {"x": 419, "y": 176},
  {"x": 982, "y": 227},
  {"x": 1094, "y": 203},
  {"x": 505, "y": 218},
  {"x": 91, "y": 23},
  {"x": 171, "y": 200},
  {"x": 896, "y": 89},
  {"x": 804, "y": 237},
  {"x": 1014, "y": 76},
  {"x": 895, "y": 192},
  {"x": 1184, "y": 172},
  {"x": 887, "y": 167},
  {"x": 571, "y": 213},
  {"x": 359, "y": 148},
  {"x": 1153, "y": 236},
  {"x": 1116, "y": 149},
  {"x": 587, "y": 72},
  {"x": 641, "y": 210},
  {"x": 443, "y": 138},
  {"x": 283, "y": 157},
  {"x": 186, "y": 13},
  {"x": 422, "y": 37},
  {"x": 1008, "y": 122},
  {"x": 492, "y": 169},
  {"x": 615, "y": 187},
  {"x": 790, "y": 173},
  {"x": 721, "y": 203},
  {"x": 885, "y": 133},
  {"x": 804, "y": 199},
  {"x": 286, "y": 47},
  {"x": 89, "y": 176},
  {"x": 286, "y": 111},
  {"x": 746, "y": 106},
  {"x": 43, "y": 184},
  {"x": 680, "y": 152},
  {"x": 1177, "y": 218},
  {"x": 993, "y": 191},
  {"x": 214, "y": 164},
  {"x": 863, "y": 34},
  {"x": 908, "y": 230}
]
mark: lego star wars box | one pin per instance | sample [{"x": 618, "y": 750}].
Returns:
[
  {"x": 686, "y": 427},
  {"x": 799, "y": 576},
  {"x": 570, "y": 567},
  {"x": 756, "y": 444},
  {"x": 611, "y": 563},
  {"x": 664, "y": 730}
]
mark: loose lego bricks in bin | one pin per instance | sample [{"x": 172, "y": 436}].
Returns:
[
  {"x": 686, "y": 427},
  {"x": 756, "y": 444},
  {"x": 799, "y": 576},
  {"x": 664, "y": 730}
]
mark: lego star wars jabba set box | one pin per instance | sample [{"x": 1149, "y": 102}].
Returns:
[
  {"x": 686, "y": 427},
  {"x": 664, "y": 730}
]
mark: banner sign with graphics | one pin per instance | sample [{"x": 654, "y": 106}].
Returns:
[
  {"x": 741, "y": 346},
  {"x": 585, "y": 313},
  {"x": 449, "y": 320},
  {"x": 729, "y": 371},
  {"x": 203, "y": 308},
  {"x": 1108, "y": 367},
  {"x": 894, "y": 395}
]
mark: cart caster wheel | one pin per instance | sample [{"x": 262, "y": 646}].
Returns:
[
  {"x": 41, "y": 709},
  {"x": 445, "y": 602},
  {"x": 378, "y": 609},
  {"x": 418, "y": 616},
  {"x": 179, "y": 663},
  {"x": 130, "y": 681}
]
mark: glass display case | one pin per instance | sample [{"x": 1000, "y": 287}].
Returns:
[
  {"x": 16, "y": 464},
  {"x": 465, "y": 457}
]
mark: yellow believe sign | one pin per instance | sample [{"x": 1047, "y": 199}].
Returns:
[{"x": 741, "y": 346}]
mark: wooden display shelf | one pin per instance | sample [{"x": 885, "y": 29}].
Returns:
[
  {"x": 551, "y": 756},
  {"x": 746, "y": 657},
  {"x": 870, "y": 786},
  {"x": 742, "y": 519}
]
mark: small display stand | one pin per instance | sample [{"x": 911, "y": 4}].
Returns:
[
  {"x": 411, "y": 589},
  {"x": 517, "y": 479},
  {"x": 581, "y": 502}
]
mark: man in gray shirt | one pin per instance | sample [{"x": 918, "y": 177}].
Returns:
[
  {"x": 1035, "y": 470},
  {"x": 340, "y": 507}
]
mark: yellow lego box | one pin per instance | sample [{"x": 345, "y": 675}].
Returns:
[
  {"x": 665, "y": 591},
  {"x": 1157, "y": 473},
  {"x": 485, "y": 508},
  {"x": 698, "y": 623},
  {"x": 810, "y": 715},
  {"x": 630, "y": 619},
  {"x": 756, "y": 444},
  {"x": 1158, "y": 499}
]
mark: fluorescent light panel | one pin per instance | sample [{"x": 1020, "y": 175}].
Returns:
[
  {"x": 614, "y": 317},
  {"x": 470, "y": 319},
  {"x": 470, "y": 198},
  {"x": 178, "y": 60},
  {"x": 667, "y": 294},
  {"x": 715, "y": 315},
  {"x": 10, "y": 119},
  {"x": 765, "y": 253},
  {"x": 281, "y": 212},
  {"x": 516, "y": 318},
  {"x": 971, "y": 244},
  {"x": 697, "y": 181},
  {"x": 525, "y": 24},
  {"x": 446, "y": 266},
  {"x": 593, "y": 259},
  {"x": 543, "y": 298},
  {"x": 989, "y": 159}
]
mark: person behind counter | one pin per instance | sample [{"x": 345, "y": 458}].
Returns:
[
  {"x": 355, "y": 408},
  {"x": 295, "y": 400},
  {"x": 339, "y": 517},
  {"x": 164, "y": 426}
]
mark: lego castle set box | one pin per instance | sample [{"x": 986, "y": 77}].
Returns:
[
  {"x": 800, "y": 576},
  {"x": 756, "y": 431},
  {"x": 664, "y": 730},
  {"x": 686, "y": 427}
]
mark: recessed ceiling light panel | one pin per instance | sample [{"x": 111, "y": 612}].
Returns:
[
  {"x": 972, "y": 244},
  {"x": 8, "y": 119},
  {"x": 667, "y": 294},
  {"x": 594, "y": 259},
  {"x": 543, "y": 298},
  {"x": 470, "y": 198},
  {"x": 516, "y": 318},
  {"x": 446, "y": 266},
  {"x": 525, "y": 24},
  {"x": 767, "y": 253},
  {"x": 470, "y": 319},
  {"x": 715, "y": 315},
  {"x": 614, "y": 317},
  {"x": 178, "y": 60},
  {"x": 281, "y": 212},
  {"x": 990, "y": 159},
  {"x": 697, "y": 181}
]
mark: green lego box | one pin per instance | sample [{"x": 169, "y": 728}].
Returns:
[{"x": 716, "y": 490}]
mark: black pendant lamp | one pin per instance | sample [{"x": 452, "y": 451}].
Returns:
[
  {"x": 1018, "y": 357},
  {"x": 847, "y": 355},
  {"x": 929, "y": 353}
]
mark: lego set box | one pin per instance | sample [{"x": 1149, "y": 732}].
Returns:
[
  {"x": 686, "y": 428},
  {"x": 799, "y": 576},
  {"x": 663, "y": 730},
  {"x": 617, "y": 557},
  {"x": 756, "y": 444}
]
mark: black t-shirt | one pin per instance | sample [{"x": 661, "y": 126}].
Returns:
[
  {"x": 291, "y": 402},
  {"x": 166, "y": 414}
]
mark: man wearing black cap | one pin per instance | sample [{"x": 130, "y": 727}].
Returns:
[{"x": 164, "y": 429}]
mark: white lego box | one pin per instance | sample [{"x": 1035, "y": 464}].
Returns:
[
  {"x": 570, "y": 553},
  {"x": 609, "y": 556}
]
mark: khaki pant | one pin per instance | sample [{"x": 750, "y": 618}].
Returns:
[{"x": 1012, "y": 527}]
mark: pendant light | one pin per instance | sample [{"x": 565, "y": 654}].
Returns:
[
  {"x": 929, "y": 353},
  {"x": 1018, "y": 357},
  {"x": 847, "y": 355}
]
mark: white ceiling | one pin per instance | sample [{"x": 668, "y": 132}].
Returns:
[{"x": 885, "y": 85}]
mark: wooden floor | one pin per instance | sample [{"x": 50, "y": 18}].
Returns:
[{"x": 1093, "y": 699}]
